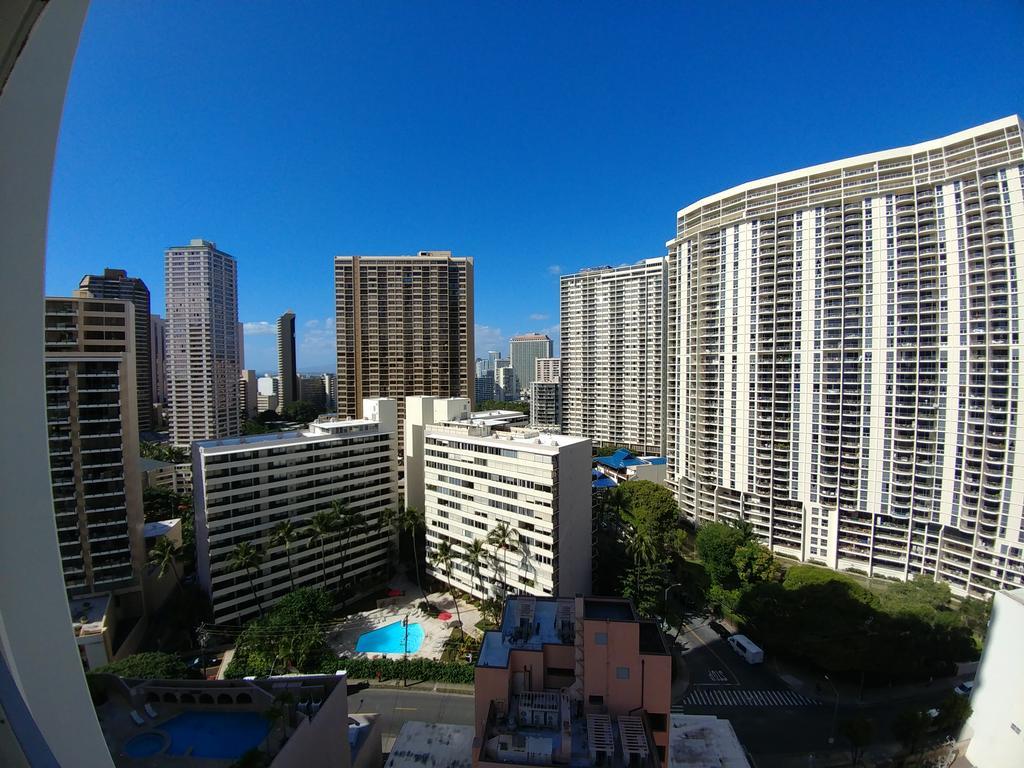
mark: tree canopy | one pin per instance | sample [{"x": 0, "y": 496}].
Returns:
[
  {"x": 152, "y": 665},
  {"x": 291, "y": 634},
  {"x": 164, "y": 452},
  {"x": 504, "y": 405}
]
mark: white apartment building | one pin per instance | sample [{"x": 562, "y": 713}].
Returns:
[
  {"x": 203, "y": 342},
  {"x": 996, "y": 723},
  {"x": 476, "y": 477},
  {"x": 547, "y": 369},
  {"x": 612, "y": 352},
  {"x": 268, "y": 393},
  {"x": 844, "y": 357},
  {"x": 422, "y": 411},
  {"x": 245, "y": 486}
]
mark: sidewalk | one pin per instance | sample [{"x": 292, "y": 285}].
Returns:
[{"x": 459, "y": 689}]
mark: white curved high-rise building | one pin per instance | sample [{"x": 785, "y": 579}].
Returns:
[{"x": 844, "y": 360}]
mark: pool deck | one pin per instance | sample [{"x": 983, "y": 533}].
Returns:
[
  {"x": 118, "y": 729},
  {"x": 435, "y": 632}
]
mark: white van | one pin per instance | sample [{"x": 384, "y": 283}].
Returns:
[{"x": 745, "y": 647}]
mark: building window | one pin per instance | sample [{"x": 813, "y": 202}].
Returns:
[
  {"x": 597, "y": 700},
  {"x": 601, "y": 638},
  {"x": 622, "y": 673}
]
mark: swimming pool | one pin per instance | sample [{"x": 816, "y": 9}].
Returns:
[
  {"x": 145, "y": 744},
  {"x": 390, "y": 639},
  {"x": 217, "y": 735}
]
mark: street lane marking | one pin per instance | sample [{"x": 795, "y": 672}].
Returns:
[
  {"x": 735, "y": 677},
  {"x": 746, "y": 698},
  {"x": 406, "y": 709}
]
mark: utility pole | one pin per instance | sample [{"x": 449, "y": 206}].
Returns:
[
  {"x": 204, "y": 637},
  {"x": 835, "y": 711},
  {"x": 405, "y": 653}
]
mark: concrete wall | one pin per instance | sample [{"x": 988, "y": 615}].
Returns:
[
  {"x": 998, "y": 699},
  {"x": 35, "y": 628},
  {"x": 575, "y": 521},
  {"x": 323, "y": 741}
]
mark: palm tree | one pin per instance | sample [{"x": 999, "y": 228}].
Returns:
[
  {"x": 639, "y": 545},
  {"x": 285, "y": 534},
  {"x": 322, "y": 527},
  {"x": 350, "y": 523},
  {"x": 166, "y": 554},
  {"x": 248, "y": 558},
  {"x": 408, "y": 520},
  {"x": 503, "y": 538},
  {"x": 442, "y": 556},
  {"x": 474, "y": 556}
]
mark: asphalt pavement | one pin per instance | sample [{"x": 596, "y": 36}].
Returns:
[{"x": 778, "y": 725}]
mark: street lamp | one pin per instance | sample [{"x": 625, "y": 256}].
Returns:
[
  {"x": 835, "y": 711},
  {"x": 405, "y": 653}
]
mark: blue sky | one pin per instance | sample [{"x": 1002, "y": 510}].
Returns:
[{"x": 538, "y": 138}]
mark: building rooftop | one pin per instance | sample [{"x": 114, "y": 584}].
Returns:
[
  {"x": 148, "y": 465},
  {"x": 623, "y": 458},
  {"x": 318, "y": 430},
  {"x": 432, "y": 745},
  {"x": 88, "y": 614},
  {"x": 529, "y": 623},
  {"x": 160, "y": 527},
  {"x": 704, "y": 741},
  {"x": 522, "y": 437}
]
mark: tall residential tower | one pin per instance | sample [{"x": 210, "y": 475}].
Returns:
[
  {"x": 845, "y": 352},
  {"x": 613, "y": 354},
  {"x": 404, "y": 327},
  {"x": 203, "y": 347},
  {"x": 115, "y": 284},
  {"x": 289, "y": 386}
]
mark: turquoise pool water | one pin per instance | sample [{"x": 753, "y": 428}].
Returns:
[
  {"x": 389, "y": 639},
  {"x": 144, "y": 745},
  {"x": 217, "y": 735}
]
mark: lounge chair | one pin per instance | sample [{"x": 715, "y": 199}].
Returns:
[
  {"x": 151, "y": 712},
  {"x": 137, "y": 718}
]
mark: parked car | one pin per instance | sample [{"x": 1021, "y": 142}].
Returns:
[
  {"x": 964, "y": 689},
  {"x": 720, "y": 630}
]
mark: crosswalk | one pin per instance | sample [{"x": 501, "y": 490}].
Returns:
[{"x": 717, "y": 697}]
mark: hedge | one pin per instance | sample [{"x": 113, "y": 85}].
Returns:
[{"x": 396, "y": 669}]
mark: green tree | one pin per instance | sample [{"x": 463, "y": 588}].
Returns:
[
  {"x": 441, "y": 557},
  {"x": 503, "y": 538},
  {"x": 350, "y": 523},
  {"x": 152, "y": 665},
  {"x": 474, "y": 556},
  {"x": 322, "y": 528},
  {"x": 953, "y": 713},
  {"x": 754, "y": 563},
  {"x": 909, "y": 727},
  {"x": 252, "y": 427},
  {"x": 284, "y": 534},
  {"x": 246, "y": 557},
  {"x": 858, "y": 731},
  {"x": 164, "y": 452},
  {"x": 716, "y": 545},
  {"x": 504, "y": 405},
  {"x": 408, "y": 520},
  {"x": 165, "y": 554},
  {"x": 301, "y": 411},
  {"x": 291, "y": 634}
]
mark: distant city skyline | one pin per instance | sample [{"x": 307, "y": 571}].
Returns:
[{"x": 533, "y": 175}]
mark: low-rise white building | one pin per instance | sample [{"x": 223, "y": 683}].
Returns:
[
  {"x": 996, "y": 726},
  {"x": 244, "y": 487},
  {"x": 476, "y": 476}
]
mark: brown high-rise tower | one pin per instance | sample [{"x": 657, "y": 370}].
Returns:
[{"x": 404, "y": 327}]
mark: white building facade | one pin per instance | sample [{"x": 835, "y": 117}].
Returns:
[
  {"x": 244, "y": 487},
  {"x": 203, "y": 343},
  {"x": 613, "y": 355},
  {"x": 997, "y": 721},
  {"x": 523, "y": 352},
  {"x": 476, "y": 477},
  {"x": 844, "y": 360}
]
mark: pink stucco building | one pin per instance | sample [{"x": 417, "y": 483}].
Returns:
[{"x": 573, "y": 681}]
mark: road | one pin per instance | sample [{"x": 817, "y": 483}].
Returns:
[
  {"x": 397, "y": 705},
  {"x": 775, "y": 723}
]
